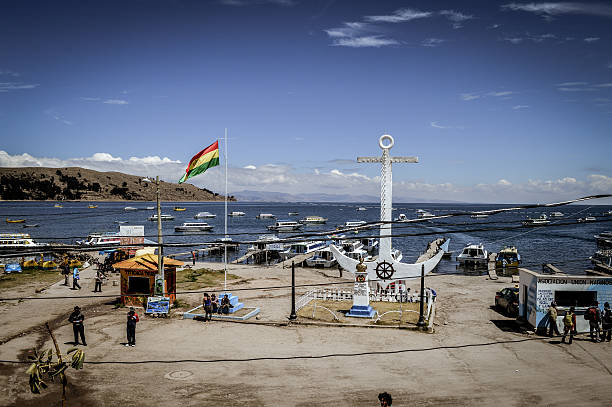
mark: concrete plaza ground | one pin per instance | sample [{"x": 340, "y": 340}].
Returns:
[{"x": 476, "y": 357}]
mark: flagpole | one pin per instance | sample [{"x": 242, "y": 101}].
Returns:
[{"x": 226, "y": 237}]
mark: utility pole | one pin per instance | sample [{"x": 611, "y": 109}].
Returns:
[
  {"x": 292, "y": 316},
  {"x": 421, "y": 323},
  {"x": 160, "y": 242}
]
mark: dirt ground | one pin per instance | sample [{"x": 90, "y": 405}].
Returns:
[{"x": 475, "y": 357}]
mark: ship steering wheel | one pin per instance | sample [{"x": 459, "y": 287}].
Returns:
[{"x": 384, "y": 270}]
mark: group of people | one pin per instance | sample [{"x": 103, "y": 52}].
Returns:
[
  {"x": 76, "y": 278},
  {"x": 77, "y": 318},
  {"x": 212, "y": 306},
  {"x": 600, "y": 323}
]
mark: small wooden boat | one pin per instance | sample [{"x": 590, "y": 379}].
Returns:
[
  {"x": 30, "y": 225},
  {"x": 179, "y": 209},
  {"x": 15, "y": 220},
  {"x": 92, "y": 206},
  {"x": 57, "y": 205}
]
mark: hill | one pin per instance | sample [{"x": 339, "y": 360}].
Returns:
[{"x": 74, "y": 183}]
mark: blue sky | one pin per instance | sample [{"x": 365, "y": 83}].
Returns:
[{"x": 501, "y": 101}]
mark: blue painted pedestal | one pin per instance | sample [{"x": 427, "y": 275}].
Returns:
[
  {"x": 361, "y": 311},
  {"x": 233, "y": 300}
]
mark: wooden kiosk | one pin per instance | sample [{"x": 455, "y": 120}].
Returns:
[{"x": 138, "y": 278}]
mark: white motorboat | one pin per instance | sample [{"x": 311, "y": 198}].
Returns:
[
  {"x": 293, "y": 213},
  {"x": 556, "y": 215},
  {"x": 322, "y": 258},
  {"x": 402, "y": 218},
  {"x": 150, "y": 208},
  {"x": 11, "y": 241},
  {"x": 361, "y": 208},
  {"x": 354, "y": 249},
  {"x": 479, "y": 215},
  {"x": 265, "y": 216},
  {"x": 162, "y": 217},
  {"x": 313, "y": 220},
  {"x": 285, "y": 226},
  {"x": 130, "y": 208},
  {"x": 101, "y": 239},
  {"x": 302, "y": 248},
  {"x": 236, "y": 213},
  {"x": 193, "y": 227},
  {"x": 607, "y": 213},
  {"x": 353, "y": 224},
  {"x": 369, "y": 243},
  {"x": 541, "y": 221},
  {"x": 587, "y": 219},
  {"x": 423, "y": 214},
  {"x": 473, "y": 255},
  {"x": 204, "y": 215}
]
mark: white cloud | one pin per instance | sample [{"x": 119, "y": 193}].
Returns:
[
  {"x": 514, "y": 40},
  {"x": 154, "y": 160},
  {"x": 502, "y": 93},
  {"x": 604, "y": 85},
  {"x": 550, "y": 9},
  {"x": 8, "y": 72},
  {"x": 89, "y": 99},
  {"x": 104, "y": 157},
  {"x": 469, "y": 96},
  {"x": 116, "y": 102},
  {"x": 536, "y": 38},
  {"x": 399, "y": 16},
  {"x": 591, "y": 39},
  {"x": 456, "y": 17},
  {"x": 432, "y": 42},
  {"x": 571, "y": 84},
  {"x": 518, "y": 107},
  {"x": 249, "y": 167},
  {"x": 439, "y": 126},
  {"x": 58, "y": 117},
  {"x": 375, "y": 41},
  {"x": 504, "y": 182},
  {"x": 10, "y": 86}
]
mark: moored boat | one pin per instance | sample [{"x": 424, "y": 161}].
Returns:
[
  {"x": 30, "y": 225},
  {"x": 92, "y": 206},
  {"x": 58, "y": 205},
  {"x": 423, "y": 214},
  {"x": 179, "y": 209},
  {"x": 473, "y": 255},
  {"x": 541, "y": 221},
  {"x": 15, "y": 220},
  {"x": 16, "y": 241},
  {"x": 293, "y": 213},
  {"x": 193, "y": 227},
  {"x": 285, "y": 226},
  {"x": 361, "y": 208},
  {"x": 313, "y": 220},
  {"x": 604, "y": 240},
  {"x": 236, "y": 213},
  {"x": 162, "y": 217},
  {"x": 369, "y": 243},
  {"x": 602, "y": 261},
  {"x": 302, "y": 248},
  {"x": 323, "y": 258},
  {"x": 479, "y": 215},
  {"x": 508, "y": 257},
  {"x": 587, "y": 219},
  {"x": 101, "y": 239},
  {"x": 265, "y": 216},
  {"x": 556, "y": 214},
  {"x": 130, "y": 208},
  {"x": 204, "y": 215}
]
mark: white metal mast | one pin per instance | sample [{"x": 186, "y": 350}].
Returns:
[{"x": 226, "y": 237}]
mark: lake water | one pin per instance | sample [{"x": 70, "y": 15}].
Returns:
[{"x": 566, "y": 246}]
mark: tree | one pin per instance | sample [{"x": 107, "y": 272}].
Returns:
[{"x": 43, "y": 367}]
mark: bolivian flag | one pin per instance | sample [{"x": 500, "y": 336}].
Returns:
[{"x": 205, "y": 159}]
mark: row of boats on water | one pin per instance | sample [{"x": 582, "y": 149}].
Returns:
[{"x": 475, "y": 255}]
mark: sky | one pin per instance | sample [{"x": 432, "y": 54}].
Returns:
[{"x": 502, "y": 102}]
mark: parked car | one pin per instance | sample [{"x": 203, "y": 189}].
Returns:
[{"x": 507, "y": 300}]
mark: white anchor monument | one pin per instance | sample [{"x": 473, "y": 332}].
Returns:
[{"x": 385, "y": 268}]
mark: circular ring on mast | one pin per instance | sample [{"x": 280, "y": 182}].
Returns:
[{"x": 386, "y": 137}]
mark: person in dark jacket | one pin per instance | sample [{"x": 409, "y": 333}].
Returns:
[
  {"x": 385, "y": 399},
  {"x": 552, "y": 319},
  {"x": 98, "y": 285},
  {"x": 594, "y": 321},
  {"x": 77, "y": 325},
  {"x": 606, "y": 323},
  {"x": 207, "y": 305},
  {"x": 132, "y": 319}
]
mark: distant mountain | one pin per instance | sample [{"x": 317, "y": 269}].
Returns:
[
  {"x": 265, "y": 196},
  {"x": 74, "y": 183}
]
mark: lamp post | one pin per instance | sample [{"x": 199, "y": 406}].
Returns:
[
  {"x": 293, "y": 315},
  {"x": 160, "y": 257}
]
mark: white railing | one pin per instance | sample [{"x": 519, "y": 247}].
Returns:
[{"x": 304, "y": 300}]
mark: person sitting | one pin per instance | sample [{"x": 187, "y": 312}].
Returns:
[
  {"x": 214, "y": 302},
  {"x": 225, "y": 305}
]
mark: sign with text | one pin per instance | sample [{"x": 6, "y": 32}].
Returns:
[{"x": 158, "y": 305}]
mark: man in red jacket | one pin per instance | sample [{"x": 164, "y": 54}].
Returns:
[{"x": 132, "y": 319}]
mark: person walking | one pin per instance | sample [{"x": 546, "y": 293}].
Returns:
[
  {"x": 606, "y": 323},
  {"x": 552, "y": 319},
  {"x": 75, "y": 279},
  {"x": 132, "y": 319},
  {"x": 77, "y": 325},
  {"x": 569, "y": 325},
  {"x": 593, "y": 314},
  {"x": 207, "y": 304},
  {"x": 98, "y": 285},
  {"x": 385, "y": 399},
  {"x": 193, "y": 256},
  {"x": 66, "y": 273}
]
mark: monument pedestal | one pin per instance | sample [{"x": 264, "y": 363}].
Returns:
[{"x": 361, "y": 295}]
